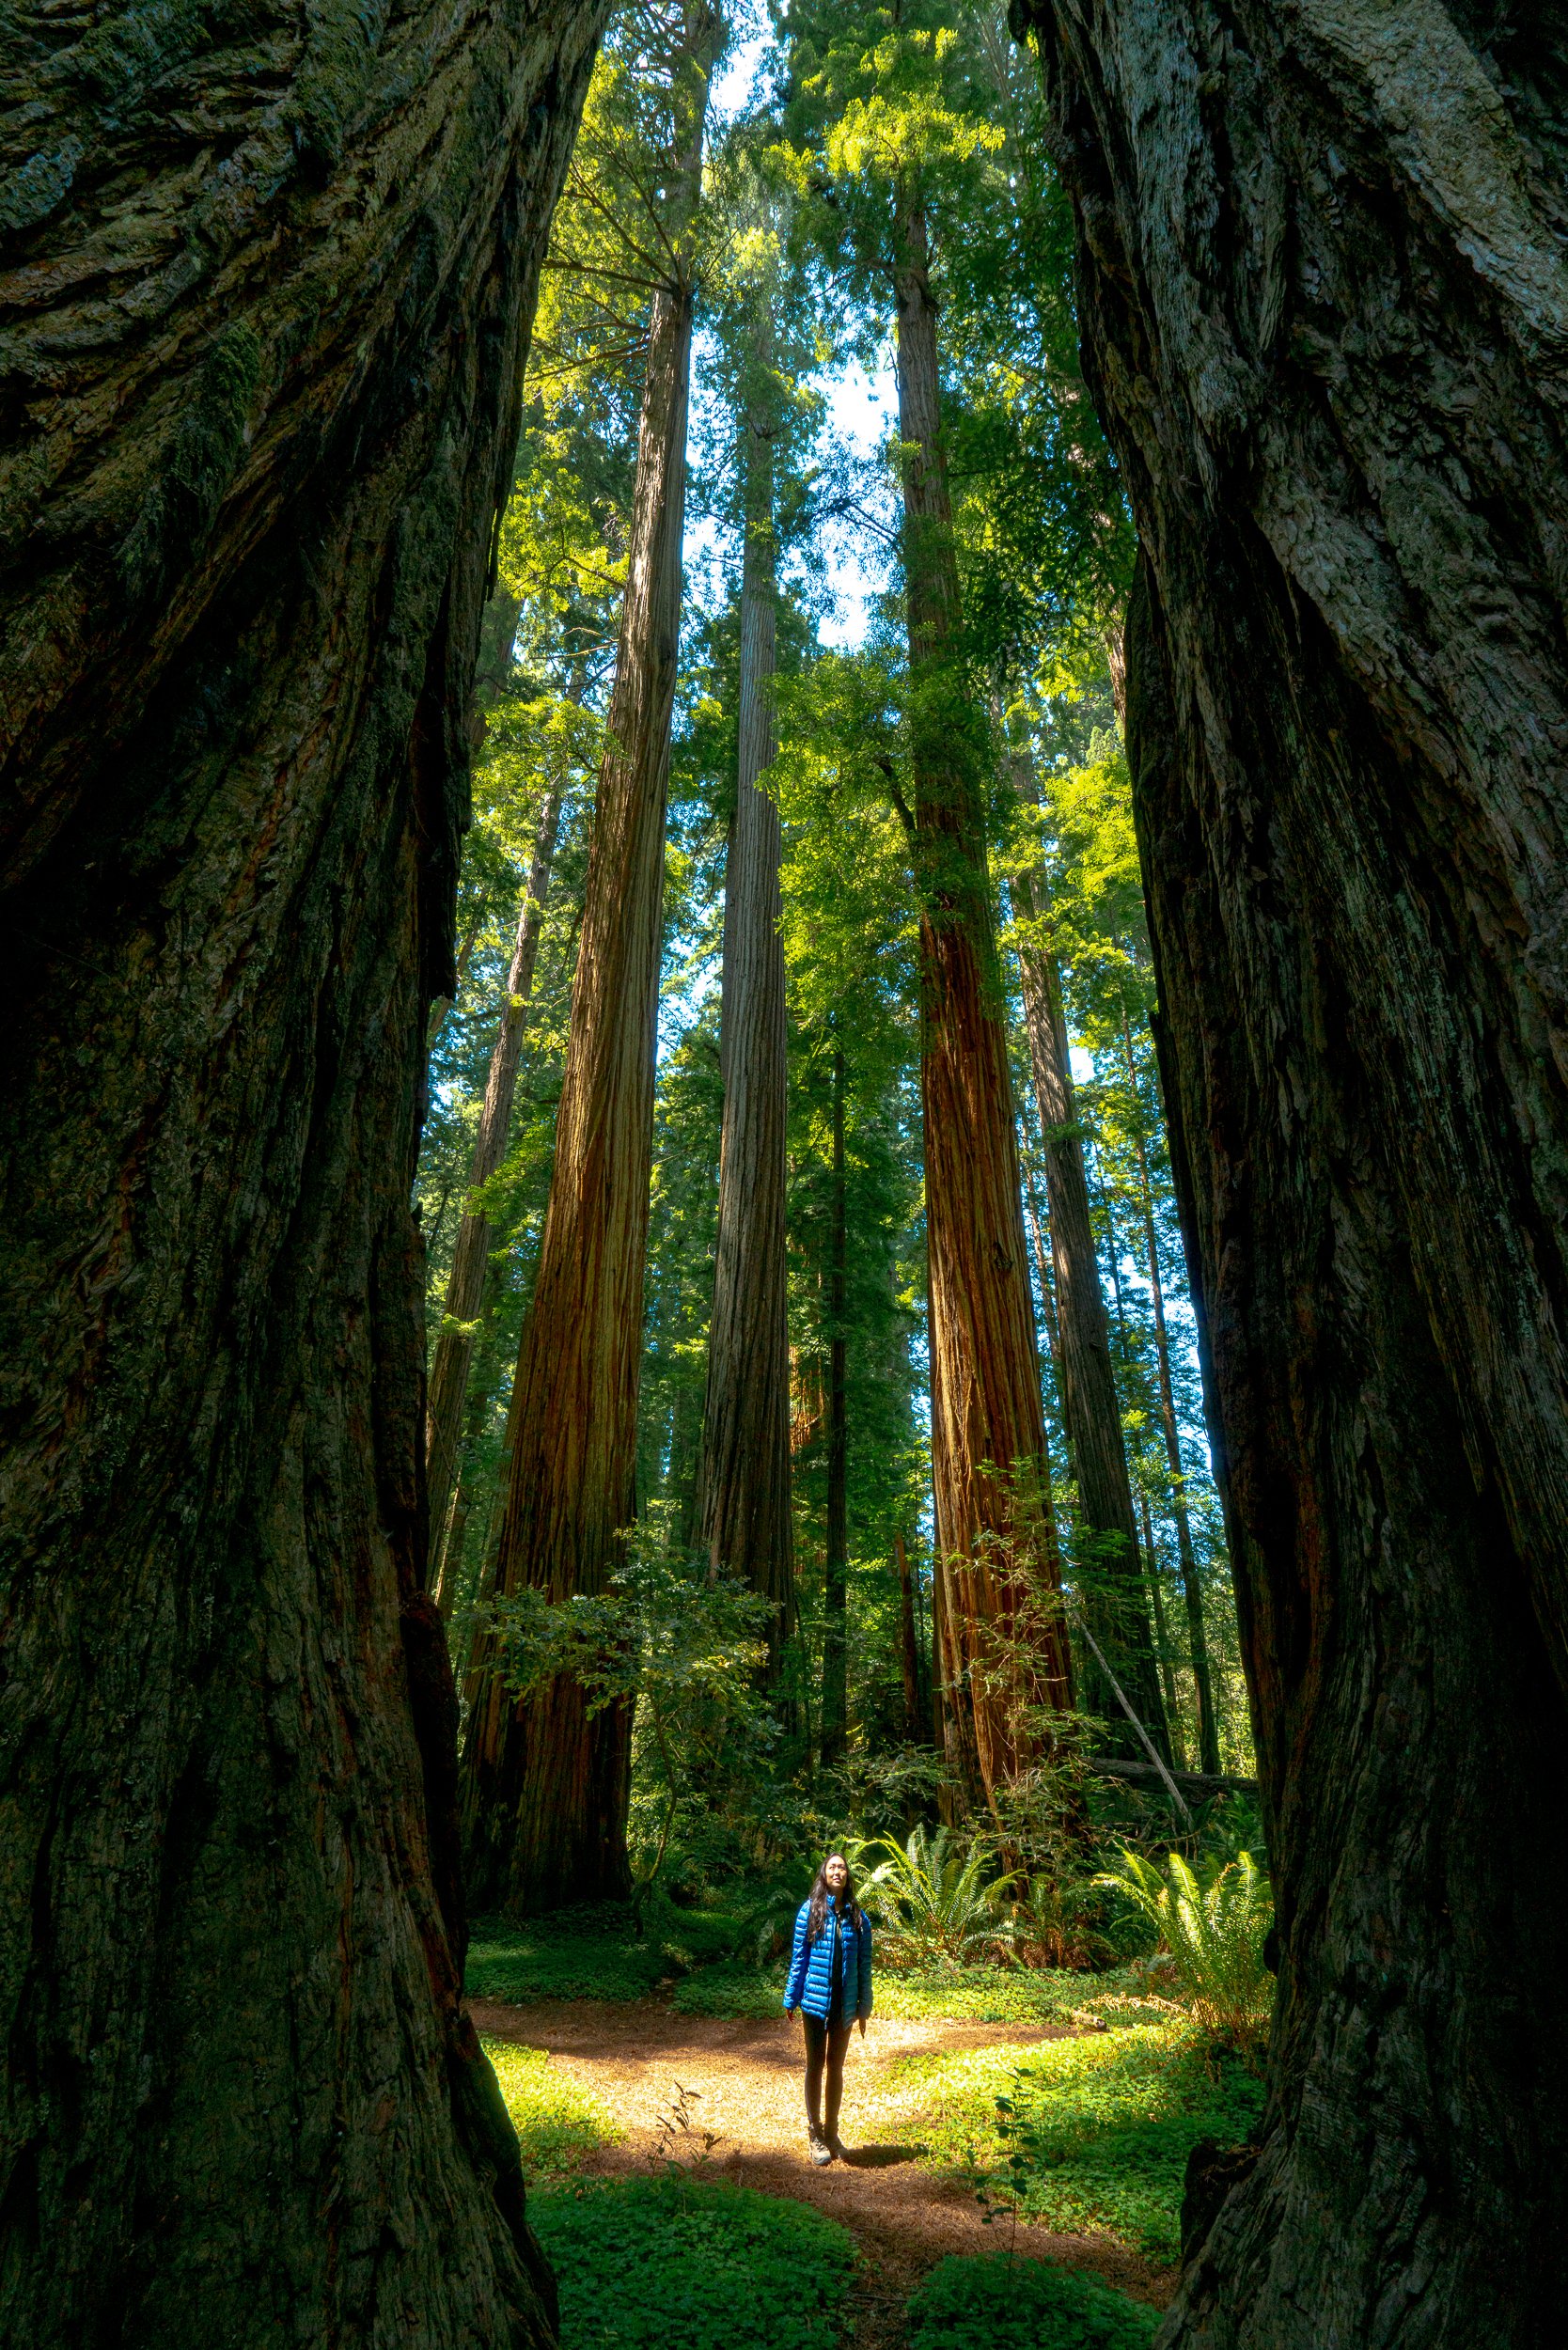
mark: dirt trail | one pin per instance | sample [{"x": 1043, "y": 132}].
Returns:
[{"x": 745, "y": 2080}]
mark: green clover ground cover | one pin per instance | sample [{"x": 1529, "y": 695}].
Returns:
[
  {"x": 653, "y": 2264},
  {"x": 994, "y": 2303},
  {"x": 1111, "y": 2119},
  {"x": 556, "y": 2122}
]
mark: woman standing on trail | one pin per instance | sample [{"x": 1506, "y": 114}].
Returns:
[{"x": 830, "y": 1982}]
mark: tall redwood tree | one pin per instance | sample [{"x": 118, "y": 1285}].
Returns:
[
  {"x": 745, "y": 1517},
  {"x": 989, "y": 1467},
  {"x": 546, "y": 1782},
  {"x": 1325, "y": 305},
  {"x": 267, "y": 277}
]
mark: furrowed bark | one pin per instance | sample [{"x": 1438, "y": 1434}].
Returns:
[
  {"x": 994, "y": 1526},
  {"x": 465, "y": 1283},
  {"x": 545, "y": 1785},
  {"x": 1325, "y": 306},
  {"x": 1091, "y": 1409},
  {"x": 745, "y": 1516},
  {"x": 266, "y": 286}
]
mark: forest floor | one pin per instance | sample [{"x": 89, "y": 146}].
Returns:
[{"x": 741, "y": 2081}]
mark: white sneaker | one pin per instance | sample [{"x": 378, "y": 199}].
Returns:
[{"x": 820, "y": 2148}]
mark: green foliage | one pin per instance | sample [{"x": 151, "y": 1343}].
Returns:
[
  {"x": 653, "y": 2265},
  {"x": 1214, "y": 1927},
  {"x": 977, "y": 1995},
  {"x": 992, "y": 2302},
  {"x": 1090, "y": 2135},
  {"x": 558, "y": 2123},
  {"x": 938, "y": 1897}
]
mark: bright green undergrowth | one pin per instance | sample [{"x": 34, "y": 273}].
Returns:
[
  {"x": 656, "y": 2264},
  {"x": 556, "y": 2122},
  {"x": 989, "y": 1995},
  {"x": 1108, "y": 2120},
  {"x": 595, "y": 1952},
  {"x": 991, "y": 2302}
]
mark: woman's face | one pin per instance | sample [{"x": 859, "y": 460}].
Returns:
[{"x": 835, "y": 1870}]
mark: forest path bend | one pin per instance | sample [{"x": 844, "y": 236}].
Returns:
[{"x": 745, "y": 2080}]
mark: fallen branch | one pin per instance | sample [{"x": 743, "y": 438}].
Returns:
[{"x": 1197, "y": 1785}]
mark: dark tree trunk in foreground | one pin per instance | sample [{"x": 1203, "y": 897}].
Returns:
[
  {"x": 545, "y": 1784},
  {"x": 1325, "y": 306},
  {"x": 745, "y": 1517},
  {"x": 271, "y": 295},
  {"x": 465, "y": 1283},
  {"x": 1192, "y": 1588},
  {"x": 1111, "y": 1576},
  {"x": 835, "y": 1718},
  {"x": 993, "y": 1529}
]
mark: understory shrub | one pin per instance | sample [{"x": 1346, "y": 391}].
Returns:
[
  {"x": 1214, "y": 1927},
  {"x": 653, "y": 2264},
  {"x": 556, "y": 2122},
  {"x": 988, "y": 2301},
  {"x": 973, "y": 1995}
]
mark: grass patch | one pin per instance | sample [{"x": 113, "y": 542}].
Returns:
[
  {"x": 595, "y": 1952},
  {"x": 978, "y": 1995},
  {"x": 1113, "y": 2117},
  {"x": 989, "y": 2302},
  {"x": 647, "y": 2264},
  {"x": 556, "y": 2122}
]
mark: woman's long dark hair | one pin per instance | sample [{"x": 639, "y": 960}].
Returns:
[{"x": 816, "y": 1923}]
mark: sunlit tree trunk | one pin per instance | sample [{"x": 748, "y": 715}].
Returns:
[
  {"x": 746, "y": 1514},
  {"x": 465, "y": 1283},
  {"x": 1323, "y": 299},
  {"x": 993, "y": 1526},
  {"x": 1108, "y": 1527},
  {"x": 267, "y": 295},
  {"x": 545, "y": 1785},
  {"x": 835, "y": 1709}
]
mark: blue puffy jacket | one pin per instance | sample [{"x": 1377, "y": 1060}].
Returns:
[{"x": 810, "y": 1982}]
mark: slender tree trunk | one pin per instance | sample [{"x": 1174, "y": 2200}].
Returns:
[
  {"x": 746, "y": 1514},
  {"x": 465, "y": 1283},
  {"x": 994, "y": 1529},
  {"x": 1167, "y": 1675},
  {"x": 909, "y": 1653},
  {"x": 265, "y": 342},
  {"x": 545, "y": 1785},
  {"x": 1113, "y": 1583},
  {"x": 1192, "y": 1588},
  {"x": 1322, "y": 303},
  {"x": 836, "y": 1572}
]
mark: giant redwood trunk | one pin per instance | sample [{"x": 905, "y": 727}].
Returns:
[
  {"x": 1110, "y": 1576},
  {"x": 995, "y": 1543},
  {"x": 465, "y": 1283},
  {"x": 1325, "y": 305},
  {"x": 268, "y": 279},
  {"x": 546, "y": 1782},
  {"x": 747, "y": 1523}
]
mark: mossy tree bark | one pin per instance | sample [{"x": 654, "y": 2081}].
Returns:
[
  {"x": 1325, "y": 304},
  {"x": 745, "y": 1518},
  {"x": 268, "y": 278},
  {"x": 995, "y": 1536},
  {"x": 546, "y": 1782}
]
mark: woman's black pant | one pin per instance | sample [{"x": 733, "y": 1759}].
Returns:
[{"x": 825, "y": 2044}]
